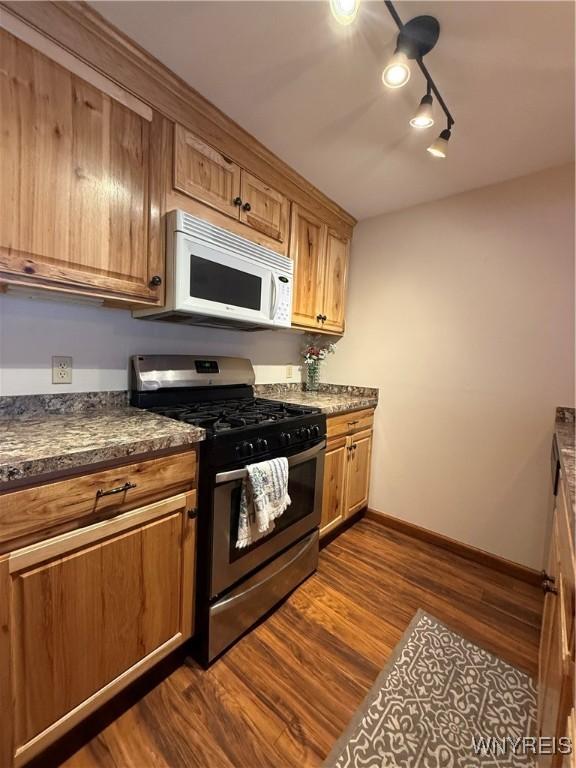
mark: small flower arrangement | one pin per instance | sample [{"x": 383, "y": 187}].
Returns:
[{"x": 314, "y": 352}]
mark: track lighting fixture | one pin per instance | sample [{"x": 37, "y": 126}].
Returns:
[
  {"x": 439, "y": 148},
  {"x": 415, "y": 39},
  {"x": 344, "y": 11},
  {"x": 423, "y": 117}
]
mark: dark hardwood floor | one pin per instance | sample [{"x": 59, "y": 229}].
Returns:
[{"x": 284, "y": 693}]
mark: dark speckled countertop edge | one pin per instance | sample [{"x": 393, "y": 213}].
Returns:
[
  {"x": 564, "y": 438},
  {"x": 31, "y": 424}
]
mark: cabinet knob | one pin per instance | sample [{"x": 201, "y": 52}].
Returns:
[
  {"x": 237, "y": 201},
  {"x": 319, "y": 318},
  {"x": 247, "y": 207},
  {"x": 156, "y": 280},
  {"x": 324, "y": 318},
  {"x": 548, "y": 587}
]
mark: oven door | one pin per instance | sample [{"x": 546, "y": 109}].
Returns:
[
  {"x": 217, "y": 283},
  {"x": 229, "y": 564}
]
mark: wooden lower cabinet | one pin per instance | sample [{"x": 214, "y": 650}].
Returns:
[
  {"x": 346, "y": 468},
  {"x": 556, "y": 657},
  {"x": 334, "y": 495},
  {"x": 91, "y": 610}
]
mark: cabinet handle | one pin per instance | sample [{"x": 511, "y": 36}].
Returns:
[
  {"x": 247, "y": 207},
  {"x": 120, "y": 489},
  {"x": 192, "y": 513},
  {"x": 156, "y": 280},
  {"x": 237, "y": 201},
  {"x": 352, "y": 423},
  {"x": 548, "y": 587}
]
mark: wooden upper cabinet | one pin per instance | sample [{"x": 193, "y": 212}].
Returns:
[
  {"x": 334, "y": 281},
  {"x": 205, "y": 174},
  {"x": 263, "y": 208},
  {"x": 307, "y": 250},
  {"x": 75, "y": 185},
  {"x": 320, "y": 258}
]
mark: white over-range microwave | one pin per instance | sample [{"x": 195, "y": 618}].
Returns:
[{"x": 218, "y": 279}]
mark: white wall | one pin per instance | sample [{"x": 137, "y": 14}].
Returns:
[
  {"x": 101, "y": 341},
  {"x": 462, "y": 312}
]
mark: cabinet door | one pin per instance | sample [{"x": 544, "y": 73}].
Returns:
[
  {"x": 307, "y": 250},
  {"x": 205, "y": 174},
  {"x": 334, "y": 499},
  {"x": 93, "y": 607},
  {"x": 264, "y": 208},
  {"x": 358, "y": 476},
  {"x": 334, "y": 281},
  {"x": 74, "y": 188}
]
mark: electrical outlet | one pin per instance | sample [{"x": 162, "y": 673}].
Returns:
[
  {"x": 289, "y": 372},
  {"x": 61, "y": 370}
]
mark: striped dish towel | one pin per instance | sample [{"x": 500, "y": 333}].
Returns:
[{"x": 264, "y": 498}]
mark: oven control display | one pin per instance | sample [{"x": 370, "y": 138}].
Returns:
[{"x": 206, "y": 366}]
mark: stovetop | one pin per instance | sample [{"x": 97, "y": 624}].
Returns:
[
  {"x": 226, "y": 415},
  {"x": 216, "y": 394}
]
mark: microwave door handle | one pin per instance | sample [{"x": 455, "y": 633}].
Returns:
[
  {"x": 298, "y": 458},
  {"x": 275, "y": 295}
]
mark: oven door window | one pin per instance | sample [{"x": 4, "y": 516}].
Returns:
[{"x": 302, "y": 492}]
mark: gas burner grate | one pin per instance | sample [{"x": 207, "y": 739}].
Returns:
[{"x": 226, "y": 415}]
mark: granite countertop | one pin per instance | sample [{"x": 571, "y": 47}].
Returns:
[
  {"x": 564, "y": 435},
  {"x": 34, "y": 442},
  {"x": 330, "y": 398},
  {"x": 42, "y": 434}
]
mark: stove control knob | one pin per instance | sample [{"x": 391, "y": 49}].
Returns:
[
  {"x": 305, "y": 433},
  {"x": 315, "y": 431},
  {"x": 249, "y": 449},
  {"x": 238, "y": 449},
  {"x": 262, "y": 444},
  {"x": 285, "y": 438}
]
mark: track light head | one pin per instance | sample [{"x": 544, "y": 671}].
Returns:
[
  {"x": 423, "y": 117},
  {"x": 439, "y": 148},
  {"x": 344, "y": 11},
  {"x": 397, "y": 71},
  {"x": 416, "y": 38}
]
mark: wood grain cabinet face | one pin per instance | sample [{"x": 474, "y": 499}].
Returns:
[
  {"x": 346, "y": 468},
  {"x": 320, "y": 258},
  {"x": 334, "y": 281},
  {"x": 75, "y": 183},
  {"x": 90, "y": 606},
  {"x": 205, "y": 174},
  {"x": 334, "y": 495},
  {"x": 556, "y": 657},
  {"x": 358, "y": 480},
  {"x": 263, "y": 208},
  {"x": 307, "y": 249}
]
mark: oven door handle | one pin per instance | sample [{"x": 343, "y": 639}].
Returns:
[{"x": 298, "y": 458}]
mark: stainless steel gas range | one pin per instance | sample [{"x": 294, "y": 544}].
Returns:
[{"x": 236, "y": 587}]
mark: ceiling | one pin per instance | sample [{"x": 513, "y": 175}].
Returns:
[{"x": 311, "y": 90}]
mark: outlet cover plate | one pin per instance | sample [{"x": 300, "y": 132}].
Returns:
[{"x": 61, "y": 369}]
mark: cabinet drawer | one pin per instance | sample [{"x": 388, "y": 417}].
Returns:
[
  {"x": 44, "y": 510},
  {"x": 348, "y": 423}
]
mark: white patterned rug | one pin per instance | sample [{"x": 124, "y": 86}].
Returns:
[{"x": 436, "y": 698}]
